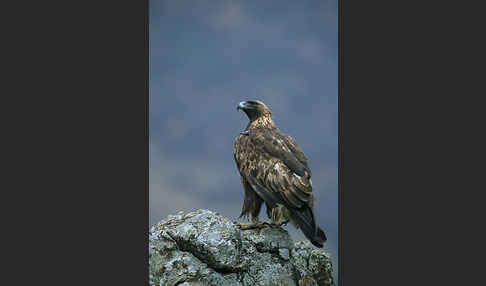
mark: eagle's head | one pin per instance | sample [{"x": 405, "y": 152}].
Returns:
[{"x": 254, "y": 109}]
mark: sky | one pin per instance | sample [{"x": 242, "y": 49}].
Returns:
[{"x": 206, "y": 57}]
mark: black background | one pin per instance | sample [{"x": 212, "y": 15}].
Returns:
[{"x": 77, "y": 143}]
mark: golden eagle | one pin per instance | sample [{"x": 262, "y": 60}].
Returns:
[{"x": 274, "y": 170}]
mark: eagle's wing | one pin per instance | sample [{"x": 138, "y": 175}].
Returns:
[
  {"x": 295, "y": 149},
  {"x": 281, "y": 169}
]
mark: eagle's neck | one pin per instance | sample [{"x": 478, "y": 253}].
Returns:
[{"x": 261, "y": 122}]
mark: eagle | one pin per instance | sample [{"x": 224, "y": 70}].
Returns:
[{"x": 273, "y": 169}]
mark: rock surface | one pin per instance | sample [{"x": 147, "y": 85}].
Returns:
[{"x": 205, "y": 248}]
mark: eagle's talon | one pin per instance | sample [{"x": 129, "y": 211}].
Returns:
[
  {"x": 284, "y": 223},
  {"x": 247, "y": 226},
  {"x": 275, "y": 225}
]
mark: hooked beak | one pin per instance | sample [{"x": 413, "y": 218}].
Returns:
[{"x": 241, "y": 105}]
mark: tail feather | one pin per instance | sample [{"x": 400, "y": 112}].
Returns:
[
  {"x": 306, "y": 222},
  {"x": 320, "y": 238}
]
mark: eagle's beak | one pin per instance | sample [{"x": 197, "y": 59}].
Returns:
[{"x": 241, "y": 105}]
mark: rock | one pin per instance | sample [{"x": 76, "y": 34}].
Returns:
[{"x": 205, "y": 248}]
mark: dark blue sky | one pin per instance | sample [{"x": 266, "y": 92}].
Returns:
[{"x": 205, "y": 57}]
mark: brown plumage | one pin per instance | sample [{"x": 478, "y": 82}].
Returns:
[{"x": 274, "y": 170}]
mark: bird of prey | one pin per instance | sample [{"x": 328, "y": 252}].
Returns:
[{"x": 274, "y": 170}]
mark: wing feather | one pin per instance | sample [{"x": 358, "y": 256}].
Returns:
[{"x": 275, "y": 165}]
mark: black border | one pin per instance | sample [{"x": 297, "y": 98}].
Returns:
[
  {"x": 403, "y": 78},
  {"x": 79, "y": 166}
]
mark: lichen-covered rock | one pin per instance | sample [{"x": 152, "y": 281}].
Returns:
[{"x": 205, "y": 248}]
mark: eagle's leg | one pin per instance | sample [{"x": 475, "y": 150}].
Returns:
[
  {"x": 251, "y": 207},
  {"x": 276, "y": 217}
]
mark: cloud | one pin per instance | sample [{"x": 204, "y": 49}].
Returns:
[
  {"x": 310, "y": 50},
  {"x": 199, "y": 176},
  {"x": 278, "y": 90},
  {"x": 237, "y": 18},
  {"x": 185, "y": 184},
  {"x": 176, "y": 128},
  {"x": 228, "y": 16}
]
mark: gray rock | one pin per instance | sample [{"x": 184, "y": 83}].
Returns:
[{"x": 205, "y": 248}]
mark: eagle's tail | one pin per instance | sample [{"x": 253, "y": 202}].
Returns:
[
  {"x": 305, "y": 220},
  {"x": 320, "y": 238}
]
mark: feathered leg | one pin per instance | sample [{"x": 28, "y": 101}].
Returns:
[
  {"x": 255, "y": 223},
  {"x": 276, "y": 216},
  {"x": 251, "y": 208}
]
